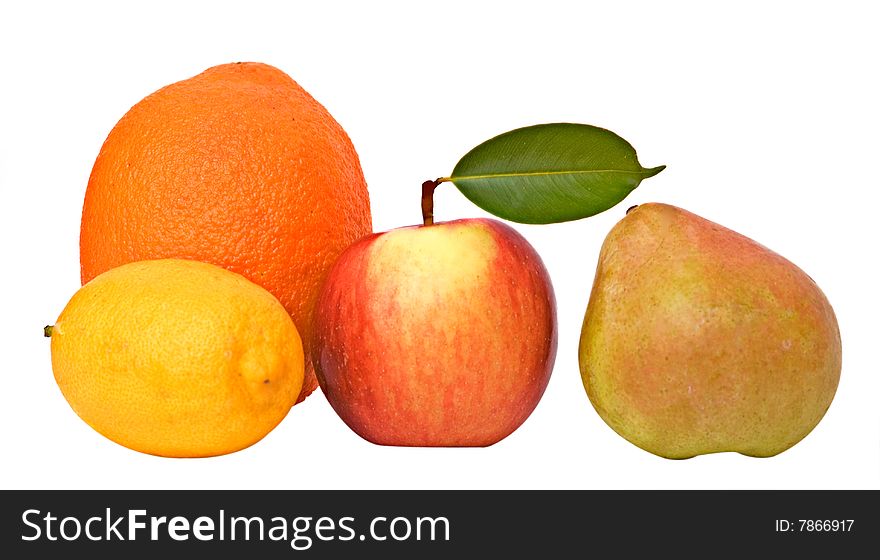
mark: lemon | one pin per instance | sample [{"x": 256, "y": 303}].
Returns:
[{"x": 177, "y": 358}]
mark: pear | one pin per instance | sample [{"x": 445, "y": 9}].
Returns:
[{"x": 699, "y": 340}]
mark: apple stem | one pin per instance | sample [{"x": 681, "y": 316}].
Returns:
[{"x": 428, "y": 200}]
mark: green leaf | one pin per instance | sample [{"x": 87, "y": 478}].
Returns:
[{"x": 550, "y": 173}]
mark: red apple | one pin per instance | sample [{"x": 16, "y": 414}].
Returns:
[{"x": 436, "y": 335}]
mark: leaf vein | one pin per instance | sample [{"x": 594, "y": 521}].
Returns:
[{"x": 545, "y": 173}]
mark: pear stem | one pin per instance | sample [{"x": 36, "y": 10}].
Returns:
[
  {"x": 47, "y": 330},
  {"x": 428, "y": 200}
]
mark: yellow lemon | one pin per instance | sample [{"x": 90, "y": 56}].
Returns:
[{"x": 177, "y": 358}]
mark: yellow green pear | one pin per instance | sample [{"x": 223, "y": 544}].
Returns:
[{"x": 699, "y": 340}]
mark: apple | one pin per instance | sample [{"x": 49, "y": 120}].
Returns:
[{"x": 436, "y": 335}]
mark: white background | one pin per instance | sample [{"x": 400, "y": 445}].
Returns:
[{"x": 765, "y": 113}]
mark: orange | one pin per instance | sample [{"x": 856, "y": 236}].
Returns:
[
  {"x": 238, "y": 167},
  {"x": 177, "y": 358}
]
